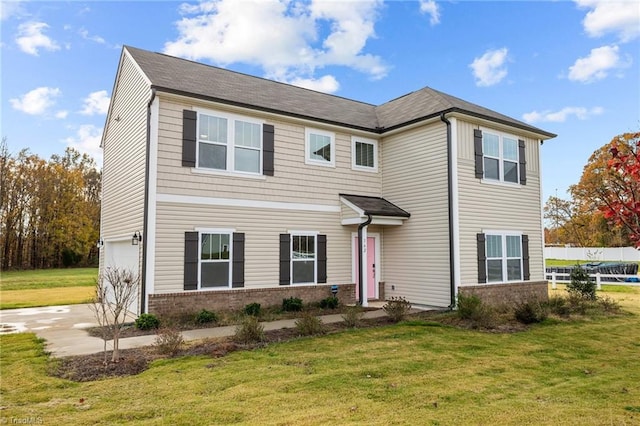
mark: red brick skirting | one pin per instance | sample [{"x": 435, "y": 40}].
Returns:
[
  {"x": 497, "y": 294},
  {"x": 194, "y": 301}
]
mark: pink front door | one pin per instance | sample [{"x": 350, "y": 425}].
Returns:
[{"x": 369, "y": 266}]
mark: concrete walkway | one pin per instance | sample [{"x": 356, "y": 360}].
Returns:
[{"x": 64, "y": 328}]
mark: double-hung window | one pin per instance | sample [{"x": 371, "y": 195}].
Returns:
[
  {"x": 504, "y": 257},
  {"x": 500, "y": 157},
  {"x": 320, "y": 147},
  {"x": 215, "y": 262},
  {"x": 229, "y": 143},
  {"x": 364, "y": 154},
  {"x": 303, "y": 259}
]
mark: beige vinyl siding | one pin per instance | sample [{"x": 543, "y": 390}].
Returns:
[
  {"x": 123, "y": 172},
  {"x": 496, "y": 207},
  {"x": 416, "y": 254},
  {"x": 262, "y": 228},
  {"x": 294, "y": 181}
]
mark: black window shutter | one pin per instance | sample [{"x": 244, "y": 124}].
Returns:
[
  {"x": 525, "y": 258},
  {"x": 523, "y": 162},
  {"x": 322, "y": 259},
  {"x": 190, "y": 260},
  {"x": 237, "y": 274},
  {"x": 285, "y": 259},
  {"x": 477, "y": 147},
  {"x": 268, "y": 148},
  {"x": 482, "y": 259},
  {"x": 189, "y": 145}
]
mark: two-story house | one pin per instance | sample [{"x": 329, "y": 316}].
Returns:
[{"x": 240, "y": 189}]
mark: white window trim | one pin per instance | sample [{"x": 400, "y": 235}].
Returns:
[
  {"x": 373, "y": 142},
  {"x": 501, "y": 136},
  {"x": 231, "y": 145},
  {"x": 315, "y": 254},
  {"x": 504, "y": 258},
  {"x": 215, "y": 231},
  {"x": 308, "y": 131}
]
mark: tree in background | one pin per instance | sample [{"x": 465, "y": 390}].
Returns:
[
  {"x": 621, "y": 196},
  {"x": 49, "y": 210},
  {"x": 606, "y": 186}
]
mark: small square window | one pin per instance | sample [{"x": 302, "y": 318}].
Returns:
[
  {"x": 319, "y": 147},
  {"x": 364, "y": 153}
]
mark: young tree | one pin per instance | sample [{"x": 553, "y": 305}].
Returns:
[
  {"x": 621, "y": 196},
  {"x": 116, "y": 289}
]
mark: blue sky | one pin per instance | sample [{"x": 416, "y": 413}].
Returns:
[{"x": 568, "y": 67}]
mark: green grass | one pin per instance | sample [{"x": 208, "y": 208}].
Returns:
[
  {"x": 563, "y": 262},
  {"x": 48, "y": 278},
  {"x": 46, "y": 287},
  {"x": 584, "y": 372}
]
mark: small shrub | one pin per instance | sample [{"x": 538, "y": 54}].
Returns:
[
  {"x": 252, "y": 309},
  {"x": 249, "y": 331},
  {"x": 397, "y": 308},
  {"x": 205, "y": 317},
  {"x": 353, "y": 316},
  {"x": 469, "y": 307},
  {"x": 169, "y": 341},
  {"x": 330, "y": 302},
  {"x": 530, "y": 312},
  {"x": 309, "y": 325},
  {"x": 559, "y": 305},
  {"x": 147, "y": 322},
  {"x": 292, "y": 304},
  {"x": 609, "y": 305},
  {"x": 581, "y": 284}
]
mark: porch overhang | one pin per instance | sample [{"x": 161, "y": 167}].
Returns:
[{"x": 381, "y": 211}]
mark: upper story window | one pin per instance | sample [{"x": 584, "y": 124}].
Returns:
[
  {"x": 499, "y": 157},
  {"x": 320, "y": 147},
  {"x": 229, "y": 143},
  {"x": 364, "y": 154}
]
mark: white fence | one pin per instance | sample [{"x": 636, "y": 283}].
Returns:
[
  {"x": 623, "y": 254},
  {"x": 559, "y": 277}
]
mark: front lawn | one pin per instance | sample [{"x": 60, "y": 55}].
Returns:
[
  {"x": 583, "y": 372},
  {"x": 47, "y": 287}
]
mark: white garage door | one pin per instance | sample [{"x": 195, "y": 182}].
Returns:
[{"x": 123, "y": 255}]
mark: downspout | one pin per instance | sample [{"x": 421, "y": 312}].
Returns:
[
  {"x": 360, "y": 260},
  {"x": 143, "y": 284},
  {"x": 452, "y": 275}
]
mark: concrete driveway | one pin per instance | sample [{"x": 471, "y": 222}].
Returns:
[{"x": 62, "y": 327}]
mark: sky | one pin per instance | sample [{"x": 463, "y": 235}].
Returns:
[{"x": 568, "y": 67}]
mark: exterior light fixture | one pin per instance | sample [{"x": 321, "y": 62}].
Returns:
[
  {"x": 99, "y": 243},
  {"x": 136, "y": 239}
]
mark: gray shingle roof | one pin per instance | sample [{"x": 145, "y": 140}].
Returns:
[
  {"x": 168, "y": 73},
  {"x": 375, "y": 206}
]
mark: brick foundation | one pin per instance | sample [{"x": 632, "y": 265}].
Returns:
[
  {"x": 171, "y": 304},
  {"x": 497, "y": 294}
]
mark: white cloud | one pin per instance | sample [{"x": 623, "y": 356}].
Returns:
[
  {"x": 607, "y": 16},
  {"x": 430, "y": 7},
  {"x": 96, "y": 103},
  {"x": 326, "y": 84},
  {"x": 490, "y": 69},
  {"x": 31, "y": 37},
  {"x": 62, "y": 114},
  {"x": 597, "y": 65},
  {"x": 37, "y": 101},
  {"x": 581, "y": 113},
  {"x": 282, "y": 37},
  {"x": 9, "y": 9},
  {"x": 85, "y": 35},
  {"x": 87, "y": 139}
]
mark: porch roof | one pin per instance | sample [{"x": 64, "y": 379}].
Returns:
[{"x": 382, "y": 211}]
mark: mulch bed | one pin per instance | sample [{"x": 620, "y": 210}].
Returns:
[{"x": 86, "y": 368}]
